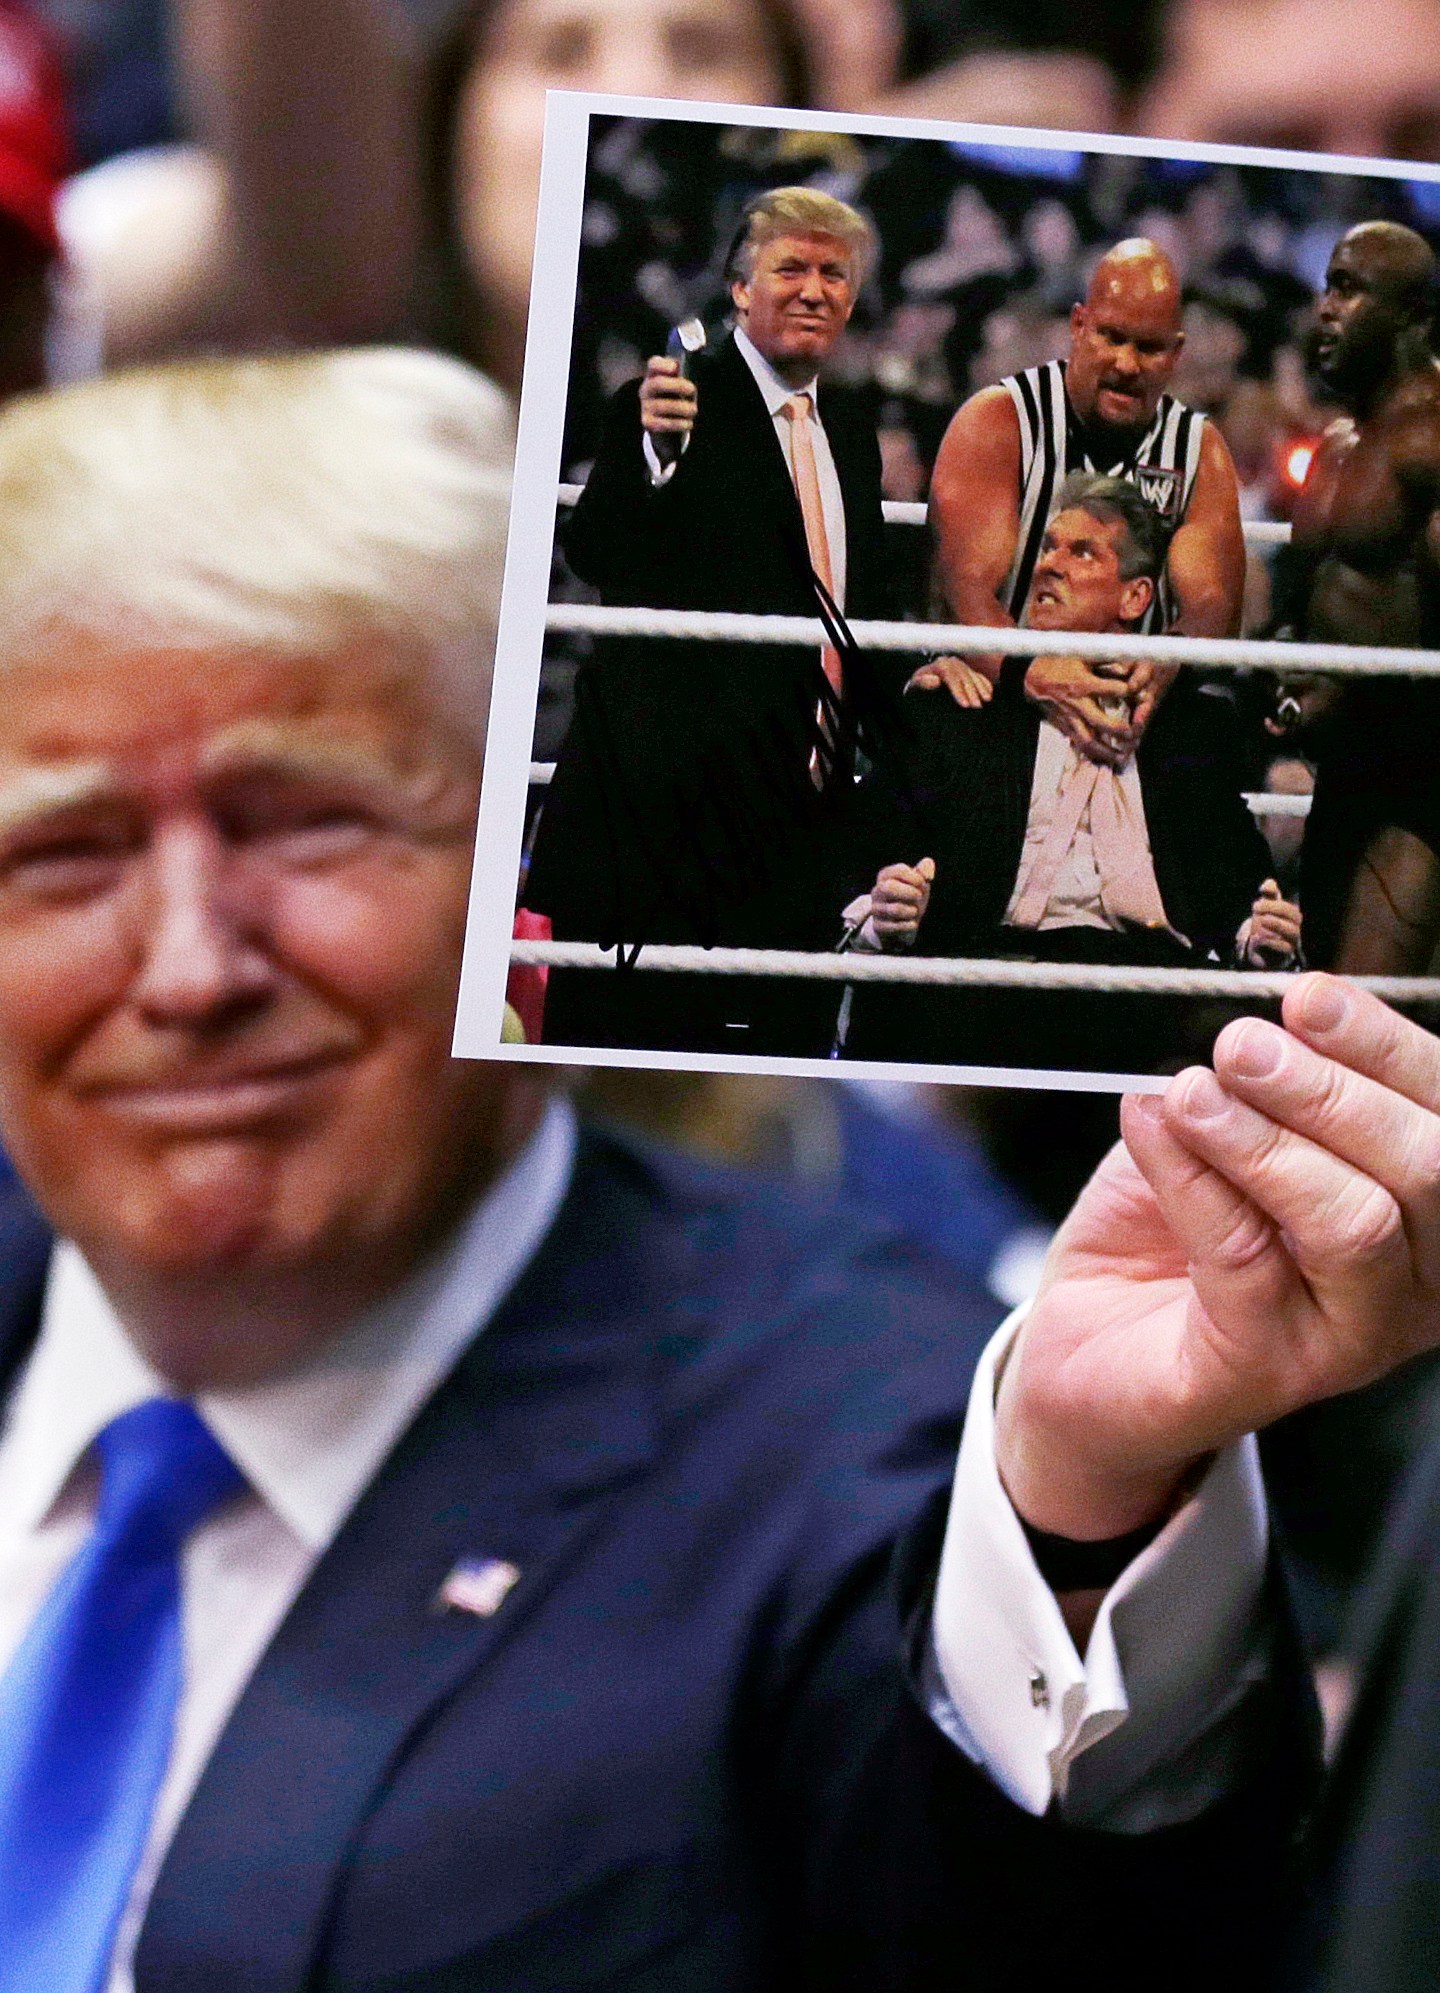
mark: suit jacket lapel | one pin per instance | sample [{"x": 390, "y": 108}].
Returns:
[
  {"x": 1021, "y": 722},
  {"x": 25, "y": 1243},
  {"x": 746, "y": 435},
  {"x": 857, "y": 489},
  {"x": 1155, "y": 767},
  {"x": 549, "y": 1411}
]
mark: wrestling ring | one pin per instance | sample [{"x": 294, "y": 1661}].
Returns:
[{"x": 957, "y": 639}]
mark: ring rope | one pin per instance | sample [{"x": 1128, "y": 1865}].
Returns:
[
  {"x": 1269, "y": 803},
  {"x": 950, "y": 972},
  {"x": 1260, "y": 802},
  {"x": 906, "y": 512},
  {"x": 966, "y": 639}
]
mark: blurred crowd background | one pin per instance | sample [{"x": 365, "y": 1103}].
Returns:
[{"x": 182, "y": 176}]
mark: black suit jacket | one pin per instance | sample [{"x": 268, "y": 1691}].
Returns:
[
  {"x": 684, "y": 1753},
  {"x": 682, "y": 795},
  {"x": 957, "y": 789}
]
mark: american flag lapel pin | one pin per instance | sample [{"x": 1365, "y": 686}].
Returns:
[{"x": 479, "y": 1585}]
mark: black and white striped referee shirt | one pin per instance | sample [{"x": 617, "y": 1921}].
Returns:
[{"x": 1052, "y": 446}]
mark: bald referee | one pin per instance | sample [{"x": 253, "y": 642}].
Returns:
[{"x": 1107, "y": 410}]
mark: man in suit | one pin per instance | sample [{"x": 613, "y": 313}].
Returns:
[
  {"x": 440, "y": 1549},
  {"x": 693, "y": 773},
  {"x": 1037, "y": 850}
]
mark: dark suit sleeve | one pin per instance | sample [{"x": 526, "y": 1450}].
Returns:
[
  {"x": 924, "y": 1875},
  {"x": 1373, "y": 1910},
  {"x": 910, "y": 1869},
  {"x": 1210, "y": 855},
  {"x": 609, "y": 538},
  {"x": 879, "y": 827},
  {"x": 870, "y": 586}
]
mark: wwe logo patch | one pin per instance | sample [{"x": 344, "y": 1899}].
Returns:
[{"x": 1160, "y": 488}]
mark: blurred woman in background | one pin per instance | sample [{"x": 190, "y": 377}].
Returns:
[
  {"x": 349, "y": 177},
  {"x": 483, "y": 121}
]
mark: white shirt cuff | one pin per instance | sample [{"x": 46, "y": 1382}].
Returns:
[
  {"x": 1179, "y": 1639},
  {"x": 857, "y": 918},
  {"x": 865, "y": 936},
  {"x": 660, "y": 473}
]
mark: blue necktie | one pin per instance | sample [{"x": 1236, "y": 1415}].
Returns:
[{"x": 87, "y": 1706}]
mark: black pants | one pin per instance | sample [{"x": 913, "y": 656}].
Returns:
[
  {"x": 754, "y": 1016},
  {"x": 1058, "y": 1030}
]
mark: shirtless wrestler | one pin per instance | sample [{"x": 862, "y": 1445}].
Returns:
[
  {"x": 1107, "y": 409},
  {"x": 1365, "y": 569}
]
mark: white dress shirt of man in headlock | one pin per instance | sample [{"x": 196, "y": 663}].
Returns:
[{"x": 1087, "y": 859}]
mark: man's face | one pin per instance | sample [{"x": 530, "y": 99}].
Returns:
[
  {"x": 797, "y": 302},
  {"x": 1357, "y": 321},
  {"x": 1123, "y": 348},
  {"x": 232, "y": 904},
  {"x": 1077, "y": 583}
]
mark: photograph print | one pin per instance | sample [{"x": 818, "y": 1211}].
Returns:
[{"x": 971, "y": 600}]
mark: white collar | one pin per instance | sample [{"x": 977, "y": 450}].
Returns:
[
  {"x": 775, "y": 391},
  {"x": 308, "y": 1442}
]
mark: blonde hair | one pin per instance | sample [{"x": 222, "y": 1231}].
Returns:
[
  {"x": 802, "y": 211},
  {"x": 279, "y": 506}
]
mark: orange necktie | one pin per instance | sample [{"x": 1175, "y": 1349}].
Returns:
[{"x": 807, "y": 489}]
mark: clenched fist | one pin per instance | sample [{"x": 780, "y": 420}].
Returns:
[
  {"x": 898, "y": 900},
  {"x": 667, "y": 406}
]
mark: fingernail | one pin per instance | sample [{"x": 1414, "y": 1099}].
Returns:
[
  {"x": 1256, "y": 1050},
  {"x": 1143, "y": 1106},
  {"x": 1324, "y": 1005},
  {"x": 1204, "y": 1099}
]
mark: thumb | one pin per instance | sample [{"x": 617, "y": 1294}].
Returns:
[
  {"x": 1269, "y": 889},
  {"x": 926, "y": 869}
]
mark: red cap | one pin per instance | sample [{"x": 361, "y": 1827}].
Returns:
[{"x": 34, "y": 134}]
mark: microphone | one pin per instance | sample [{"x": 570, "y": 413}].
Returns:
[{"x": 686, "y": 338}]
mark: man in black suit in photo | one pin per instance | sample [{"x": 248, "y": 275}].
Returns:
[
  {"x": 694, "y": 772},
  {"x": 1036, "y": 850}
]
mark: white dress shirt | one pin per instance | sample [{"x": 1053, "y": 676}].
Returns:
[
  {"x": 1137, "y": 1734},
  {"x": 1077, "y": 898},
  {"x": 1176, "y": 1642},
  {"x": 776, "y": 393}
]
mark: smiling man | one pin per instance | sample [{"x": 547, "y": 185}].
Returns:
[
  {"x": 693, "y": 773},
  {"x": 1107, "y": 410},
  {"x": 172, "y": 1096},
  {"x": 226, "y": 892}
]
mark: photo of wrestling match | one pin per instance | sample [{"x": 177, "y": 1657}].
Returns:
[{"x": 972, "y": 611}]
